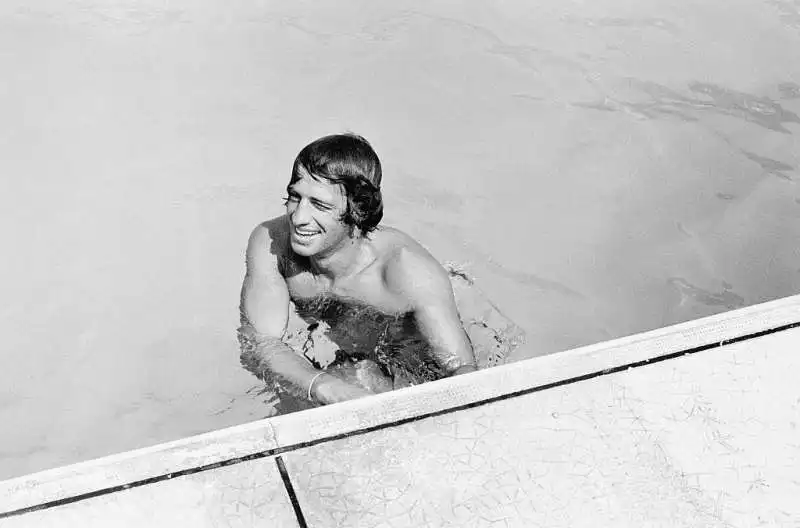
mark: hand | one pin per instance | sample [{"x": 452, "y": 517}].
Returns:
[
  {"x": 365, "y": 374},
  {"x": 330, "y": 389},
  {"x": 464, "y": 369}
]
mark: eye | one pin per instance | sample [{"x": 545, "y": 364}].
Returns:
[
  {"x": 322, "y": 206},
  {"x": 291, "y": 198}
]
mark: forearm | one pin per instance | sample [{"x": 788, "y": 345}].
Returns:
[
  {"x": 302, "y": 379},
  {"x": 275, "y": 362}
]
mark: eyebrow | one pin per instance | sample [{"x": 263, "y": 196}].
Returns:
[{"x": 314, "y": 199}]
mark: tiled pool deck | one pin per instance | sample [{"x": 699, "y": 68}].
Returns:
[{"x": 691, "y": 425}]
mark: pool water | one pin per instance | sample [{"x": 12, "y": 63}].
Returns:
[{"x": 600, "y": 168}]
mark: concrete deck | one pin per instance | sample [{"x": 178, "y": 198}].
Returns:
[{"x": 690, "y": 425}]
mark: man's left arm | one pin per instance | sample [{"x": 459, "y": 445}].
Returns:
[{"x": 424, "y": 282}]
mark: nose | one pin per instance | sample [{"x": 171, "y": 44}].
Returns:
[{"x": 300, "y": 214}]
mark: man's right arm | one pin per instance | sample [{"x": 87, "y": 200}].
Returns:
[{"x": 264, "y": 308}]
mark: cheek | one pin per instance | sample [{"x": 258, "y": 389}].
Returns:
[
  {"x": 330, "y": 218},
  {"x": 334, "y": 225}
]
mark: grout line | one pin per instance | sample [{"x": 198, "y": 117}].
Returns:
[
  {"x": 138, "y": 483},
  {"x": 301, "y": 520},
  {"x": 357, "y": 432}
]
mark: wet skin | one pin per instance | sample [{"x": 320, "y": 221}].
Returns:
[{"x": 310, "y": 252}]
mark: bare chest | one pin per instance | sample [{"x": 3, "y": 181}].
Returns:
[{"x": 367, "y": 288}]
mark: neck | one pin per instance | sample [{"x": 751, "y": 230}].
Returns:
[{"x": 342, "y": 261}]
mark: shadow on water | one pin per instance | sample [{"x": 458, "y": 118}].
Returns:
[
  {"x": 789, "y": 90},
  {"x": 725, "y": 298},
  {"x": 705, "y": 98},
  {"x": 770, "y": 166}
]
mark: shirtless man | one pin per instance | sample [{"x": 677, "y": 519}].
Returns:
[{"x": 329, "y": 243}]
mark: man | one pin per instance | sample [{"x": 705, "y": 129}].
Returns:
[{"x": 329, "y": 244}]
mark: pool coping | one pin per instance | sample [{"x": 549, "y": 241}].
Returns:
[{"x": 273, "y": 436}]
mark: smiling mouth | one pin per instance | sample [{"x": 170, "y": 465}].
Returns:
[{"x": 303, "y": 233}]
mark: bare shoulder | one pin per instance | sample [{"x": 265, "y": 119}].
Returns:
[
  {"x": 389, "y": 239},
  {"x": 410, "y": 270},
  {"x": 272, "y": 230},
  {"x": 268, "y": 242}
]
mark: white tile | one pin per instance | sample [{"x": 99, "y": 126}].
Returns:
[
  {"x": 248, "y": 494},
  {"x": 140, "y": 464}
]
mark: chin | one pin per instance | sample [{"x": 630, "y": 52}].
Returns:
[{"x": 303, "y": 250}]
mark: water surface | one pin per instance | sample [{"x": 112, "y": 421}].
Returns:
[{"x": 601, "y": 168}]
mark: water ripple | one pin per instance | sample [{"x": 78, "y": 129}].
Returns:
[
  {"x": 705, "y": 98},
  {"x": 725, "y": 298}
]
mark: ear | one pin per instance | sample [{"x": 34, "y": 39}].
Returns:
[{"x": 355, "y": 232}]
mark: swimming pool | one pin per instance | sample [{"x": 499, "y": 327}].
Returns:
[{"x": 601, "y": 169}]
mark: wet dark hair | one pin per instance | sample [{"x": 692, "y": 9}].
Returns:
[{"x": 347, "y": 160}]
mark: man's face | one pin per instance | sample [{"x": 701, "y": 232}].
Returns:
[{"x": 315, "y": 209}]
